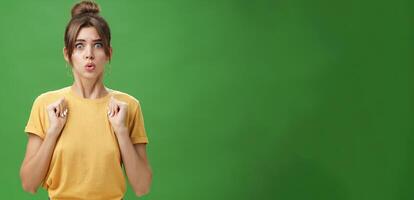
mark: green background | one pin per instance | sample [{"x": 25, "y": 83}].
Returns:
[{"x": 283, "y": 99}]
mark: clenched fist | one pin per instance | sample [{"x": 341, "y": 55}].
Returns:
[
  {"x": 57, "y": 112},
  {"x": 117, "y": 114}
]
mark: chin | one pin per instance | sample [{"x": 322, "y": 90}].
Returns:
[
  {"x": 87, "y": 75},
  {"x": 91, "y": 76}
]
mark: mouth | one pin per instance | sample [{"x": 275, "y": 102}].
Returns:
[{"x": 90, "y": 67}]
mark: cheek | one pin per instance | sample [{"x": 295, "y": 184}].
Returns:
[
  {"x": 76, "y": 61},
  {"x": 101, "y": 57},
  {"x": 100, "y": 54},
  {"x": 76, "y": 57}
]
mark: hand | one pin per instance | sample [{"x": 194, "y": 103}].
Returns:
[
  {"x": 57, "y": 112},
  {"x": 117, "y": 114}
]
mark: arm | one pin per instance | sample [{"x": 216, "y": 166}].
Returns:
[
  {"x": 39, "y": 152},
  {"x": 135, "y": 162},
  {"x": 36, "y": 161}
]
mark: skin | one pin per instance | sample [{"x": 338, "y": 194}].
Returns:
[{"x": 88, "y": 49}]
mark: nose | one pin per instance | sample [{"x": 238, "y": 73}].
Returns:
[{"x": 89, "y": 53}]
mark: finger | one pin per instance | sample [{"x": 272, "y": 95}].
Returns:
[
  {"x": 56, "y": 110},
  {"x": 123, "y": 105},
  {"x": 58, "y": 107},
  {"x": 114, "y": 106},
  {"x": 61, "y": 109},
  {"x": 65, "y": 111},
  {"x": 116, "y": 109},
  {"x": 59, "y": 101},
  {"x": 65, "y": 108},
  {"x": 110, "y": 109}
]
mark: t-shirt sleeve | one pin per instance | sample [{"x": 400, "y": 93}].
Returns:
[
  {"x": 136, "y": 125},
  {"x": 36, "y": 123}
]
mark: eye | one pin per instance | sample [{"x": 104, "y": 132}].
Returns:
[
  {"x": 79, "y": 46},
  {"x": 98, "y": 45}
]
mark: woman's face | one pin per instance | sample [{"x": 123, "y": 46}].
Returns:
[{"x": 88, "y": 57}]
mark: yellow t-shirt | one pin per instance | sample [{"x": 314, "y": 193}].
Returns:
[{"x": 86, "y": 162}]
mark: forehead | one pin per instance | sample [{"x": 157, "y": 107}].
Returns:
[{"x": 88, "y": 33}]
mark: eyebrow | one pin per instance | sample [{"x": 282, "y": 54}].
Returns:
[{"x": 82, "y": 40}]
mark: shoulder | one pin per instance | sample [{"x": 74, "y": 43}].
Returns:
[
  {"x": 51, "y": 96},
  {"x": 127, "y": 98}
]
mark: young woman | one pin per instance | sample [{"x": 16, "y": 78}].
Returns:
[{"x": 80, "y": 136}]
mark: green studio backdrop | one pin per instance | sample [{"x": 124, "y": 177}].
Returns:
[{"x": 282, "y": 99}]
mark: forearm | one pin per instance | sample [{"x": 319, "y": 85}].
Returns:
[
  {"x": 34, "y": 170},
  {"x": 137, "y": 168}
]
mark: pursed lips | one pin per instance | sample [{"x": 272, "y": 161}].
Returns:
[{"x": 90, "y": 66}]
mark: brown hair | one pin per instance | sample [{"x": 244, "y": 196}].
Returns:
[{"x": 86, "y": 14}]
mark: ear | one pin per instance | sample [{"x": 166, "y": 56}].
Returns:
[
  {"x": 110, "y": 53},
  {"x": 65, "y": 54}
]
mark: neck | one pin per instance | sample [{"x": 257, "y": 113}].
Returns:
[{"x": 90, "y": 89}]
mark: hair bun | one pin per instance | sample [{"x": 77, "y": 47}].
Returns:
[{"x": 84, "y": 7}]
